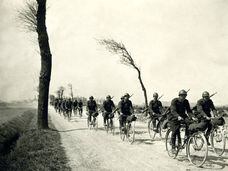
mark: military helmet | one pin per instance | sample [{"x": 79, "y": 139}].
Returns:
[
  {"x": 108, "y": 97},
  {"x": 205, "y": 94},
  {"x": 182, "y": 92},
  {"x": 155, "y": 94},
  {"x": 126, "y": 95},
  {"x": 91, "y": 97}
]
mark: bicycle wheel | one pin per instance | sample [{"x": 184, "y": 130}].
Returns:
[
  {"x": 106, "y": 127},
  {"x": 131, "y": 132},
  {"x": 162, "y": 131},
  {"x": 168, "y": 143},
  {"x": 197, "y": 149},
  {"x": 151, "y": 131},
  {"x": 218, "y": 141}
]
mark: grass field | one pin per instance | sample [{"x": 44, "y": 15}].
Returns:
[{"x": 7, "y": 114}]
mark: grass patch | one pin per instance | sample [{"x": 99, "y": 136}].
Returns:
[
  {"x": 37, "y": 150},
  {"x": 7, "y": 114},
  {"x": 11, "y": 130}
]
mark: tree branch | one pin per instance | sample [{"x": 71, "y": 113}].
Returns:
[{"x": 27, "y": 16}]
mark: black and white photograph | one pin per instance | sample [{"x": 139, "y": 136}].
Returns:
[{"x": 113, "y": 85}]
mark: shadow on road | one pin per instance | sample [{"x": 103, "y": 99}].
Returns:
[
  {"x": 212, "y": 162},
  {"x": 70, "y": 130},
  {"x": 140, "y": 132},
  {"x": 146, "y": 141}
]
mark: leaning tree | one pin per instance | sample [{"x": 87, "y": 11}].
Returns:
[
  {"x": 125, "y": 58},
  {"x": 33, "y": 17}
]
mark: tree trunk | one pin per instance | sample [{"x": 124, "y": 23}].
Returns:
[
  {"x": 143, "y": 88},
  {"x": 46, "y": 63}
]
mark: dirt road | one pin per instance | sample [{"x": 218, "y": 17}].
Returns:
[{"x": 97, "y": 150}]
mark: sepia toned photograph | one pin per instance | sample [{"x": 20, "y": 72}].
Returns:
[{"x": 113, "y": 85}]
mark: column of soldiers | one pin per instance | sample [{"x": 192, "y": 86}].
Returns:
[
  {"x": 180, "y": 112},
  {"x": 67, "y": 106}
]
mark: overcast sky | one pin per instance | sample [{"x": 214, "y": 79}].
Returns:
[{"x": 178, "y": 44}]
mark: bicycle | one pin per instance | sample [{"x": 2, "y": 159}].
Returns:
[
  {"x": 110, "y": 127},
  {"x": 94, "y": 122},
  {"x": 128, "y": 132},
  {"x": 75, "y": 110},
  {"x": 80, "y": 111},
  {"x": 196, "y": 147},
  {"x": 161, "y": 127}
]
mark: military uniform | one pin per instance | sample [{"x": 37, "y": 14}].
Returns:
[
  {"x": 178, "y": 108},
  {"x": 92, "y": 108},
  {"x": 56, "y": 102},
  {"x": 108, "y": 106},
  {"x": 75, "y": 106},
  {"x": 119, "y": 106},
  {"x": 63, "y": 106},
  {"x": 80, "y": 106},
  {"x": 126, "y": 110},
  {"x": 204, "y": 108},
  {"x": 69, "y": 107},
  {"x": 155, "y": 107}
]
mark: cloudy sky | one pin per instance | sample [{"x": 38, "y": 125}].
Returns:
[{"x": 177, "y": 44}]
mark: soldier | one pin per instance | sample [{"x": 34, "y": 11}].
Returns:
[
  {"x": 75, "y": 106},
  {"x": 119, "y": 104},
  {"x": 56, "y": 102},
  {"x": 63, "y": 107},
  {"x": 91, "y": 108},
  {"x": 108, "y": 107},
  {"x": 155, "y": 111},
  {"x": 126, "y": 109},
  {"x": 204, "y": 108},
  {"x": 59, "y": 106},
  {"x": 179, "y": 109},
  {"x": 80, "y": 107},
  {"x": 68, "y": 107}
]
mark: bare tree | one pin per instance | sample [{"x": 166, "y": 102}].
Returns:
[
  {"x": 58, "y": 94},
  {"x": 33, "y": 17},
  {"x": 71, "y": 90},
  {"x": 61, "y": 91},
  {"x": 125, "y": 58}
]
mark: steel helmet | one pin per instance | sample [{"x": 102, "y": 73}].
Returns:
[
  {"x": 108, "y": 97},
  {"x": 91, "y": 97},
  {"x": 182, "y": 92},
  {"x": 126, "y": 95},
  {"x": 155, "y": 94},
  {"x": 205, "y": 94}
]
